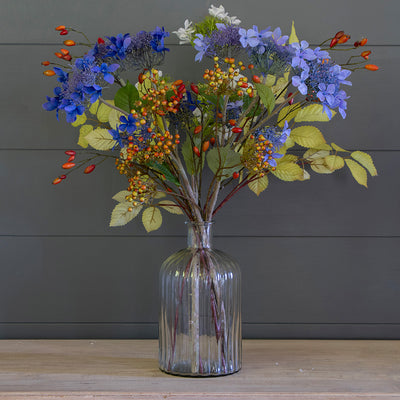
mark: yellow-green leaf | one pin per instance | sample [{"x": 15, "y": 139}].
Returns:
[
  {"x": 121, "y": 214},
  {"x": 94, "y": 106},
  {"x": 306, "y": 175},
  {"x": 288, "y": 144},
  {"x": 359, "y": 173},
  {"x": 287, "y": 114},
  {"x": 320, "y": 167},
  {"x": 170, "y": 206},
  {"x": 121, "y": 196},
  {"x": 307, "y": 136},
  {"x": 159, "y": 195},
  {"x": 280, "y": 88},
  {"x": 338, "y": 148},
  {"x": 270, "y": 81},
  {"x": 259, "y": 185},
  {"x": 287, "y": 158},
  {"x": 266, "y": 96},
  {"x": 323, "y": 146},
  {"x": 80, "y": 119},
  {"x": 104, "y": 111},
  {"x": 151, "y": 218},
  {"x": 293, "y": 37},
  {"x": 101, "y": 139},
  {"x": 288, "y": 172},
  {"x": 83, "y": 132},
  {"x": 313, "y": 113},
  {"x": 113, "y": 118},
  {"x": 366, "y": 161},
  {"x": 334, "y": 162},
  {"x": 314, "y": 154}
]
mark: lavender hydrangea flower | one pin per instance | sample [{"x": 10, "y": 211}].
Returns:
[
  {"x": 201, "y": 45},
  {"x": 302, "y": 53}
]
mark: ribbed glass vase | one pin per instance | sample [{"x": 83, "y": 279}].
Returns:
[{"x": 200, "y": 316}]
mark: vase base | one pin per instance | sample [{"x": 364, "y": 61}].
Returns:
[{"x": 189, "y": 374}]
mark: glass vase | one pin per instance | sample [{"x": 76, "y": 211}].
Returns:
[{"x": 200, "y": 316}]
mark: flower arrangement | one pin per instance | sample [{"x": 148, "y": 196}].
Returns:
[{"x": 247, "y": 121}]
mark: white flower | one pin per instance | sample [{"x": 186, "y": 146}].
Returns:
[
  {"x": 233, "y": 20},
  {"x": 218, "y": 12},
  {"x": 185, "y": 34}
]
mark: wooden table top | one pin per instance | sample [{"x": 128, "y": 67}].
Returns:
[{"x": 128, "y": 369}]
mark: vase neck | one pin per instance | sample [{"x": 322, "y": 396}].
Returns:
[{"x": 199, "y": 235}]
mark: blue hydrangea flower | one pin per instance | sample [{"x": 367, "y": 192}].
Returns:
[
  {"x": 53, "y": 103},
  {"x": 94, "y": 92},
  {"x": 302, "y": 53},
  {"x": 71, "y": 109},
  {"x": 107, "y": 71},
  {"x": 116, "y": 136},
  {"x": 201, "y": 45},
  {"x": 157, "y": 43},
  {"x": 300, "y": 82},
  {"x": 128, "y": 124},
  {"x": 248, "y": 38},
  {"x": 119, "y": 45},
  {"x": 62, "y": 75}
]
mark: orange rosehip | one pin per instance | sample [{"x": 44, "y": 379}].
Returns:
[
  {"x": 45, "y": 63},
  {"x": 60, "y": 28},
  {"x": 256, "y": 79},
  {"x": 365, "y": 54},
  {"x": 49, "y": 72},
  {"x": 197, "y": 129},
  {"x": 57, "y": 181},
  {"x": 59, "y": 55},
  {"x": 343, "y": 39},
  {"x": 68, "y": 165},
  {"x": 89, "y": 169},
  {"x": 69, "y": 43},
  {"x": 371, "y": 67},
  {"x": 363, "y": 41},
  {"x": 64, "y": 52},
  {"x": 339, "y": 34},
  {"x": 235, "y": 175},
  {"x": 196, "y": 151},
  {"x": 206, "y": 145},
  {"x": 212, "y": 140}
]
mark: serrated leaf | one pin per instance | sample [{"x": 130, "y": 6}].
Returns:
[
  {"x": 121, "y": 214},
  {"x": 121, "y": 196},
  {"x": 170, "y": 206},
  {"x": 288, "y": 172},
  {"x": 293, "y": 37},
  {"x": 313, "y": 113},
  {"x": 314, "y": 154},
  {"x": 104, "y": 111},
  {"x": 223, "y": 161},
  {"x": 287, "y": 114},
  {"x": 164, "y": 169},
  {"x": 307, "y": 136},
  {"x": 320, "y": 167},
  {"x": 113, "y": 118},
  {"x": 287, "y": 158},
  {"x": 159, "y": 195},
  {"x": 151, "y": 218},
  {"x": 359, "y": 173},
  {"x": 80, "y": 119},
  {"x": 93, "y": 107},
  {"x": 101, "y": 139},
  {"x": 259, "y": 185},
  {"x": 323, "y": 146},
  {"x": 126, "y": 97},
  {"x": 338, "y": 148},
  {"x": 266, "y": 96},
  {"x": 366, "y": 161},
  {"x": 83, "y": 132},
  {"x": 334, "y": 162}
]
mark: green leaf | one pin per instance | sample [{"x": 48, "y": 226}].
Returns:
[
  {"x": 164, "y": 169},
  {"x": 280, "y": 89},
  {"x": 126, "y": 97},
  {"x": 93, "y": 107},
  {"x": 366, "y": 161},
  {"x": 113, "y": 118},
  {"x": 170, "y": 206},
  {"x": 151, "y": 218},
  {"x": 104, "y": 111},
  {"x": 307, "y": 136},
  {"x": 320, "y": 166},
  {"x": 121, "y": 214},
  {"x": 101, "y": 139},
  {"x": 83, "y": 132},
  {"x": 159, "y": 195},
  {"x": 259, "y": 185},
  {"x": 313, "y": 113},
  {"x": 223, "y": 161},
  {"x": 338, "y": 148},
  {"x": 190, "y": 159},
  {"x": 314, "y": 154},
  {"x": 359, "y": 173},
  {"x": 287, "y": 158},
  {"x": 270, "y": 81},
  {"x": 121, "y": 196},
  {"x": 266, "y": 95},
  {"x": 334, "y": 162},
  {"x": 80, "y": 119},
  {"x": 288, "y": 171},
  {"x": 287, "y": 114},
  {"x": 293, "y": 37}
]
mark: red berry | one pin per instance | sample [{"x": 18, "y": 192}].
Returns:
[
  {"x": 365, "y": 54},
  {"x": 63, "y": 176},
  {"x": 196, "y": 151},
  {"x": 232, "y": 122},
  {"x": 212, "y": 140},
  {"x": 70, "y": 152},
  {"x": 89, "y": 169},
  {"x": 206, "y": 145},
  {"x": 64, "y": 32},
  {"x": 71, "y": 158},
  {"x": 334, "y": 42},
  {"x": 235, "y": 175},
  {"x": 194, "y": 88},
  {"x": 339, "y": 34},
  {"x": 45, "y": 63},
  {"x": 256, "y": 79},
  {"x": 67, "y": 58},
  {"x": 68, "y": 165},
  {"x": 100, "y": 40},
  {"x": 237, "y": 130},
  {"x": 197, "y": 129}
]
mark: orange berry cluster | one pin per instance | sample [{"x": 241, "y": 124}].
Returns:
[
  {"x": 254, "y": 155},
  {"x": 221, "y": 82},
  {"x": 142, "y": 188}
]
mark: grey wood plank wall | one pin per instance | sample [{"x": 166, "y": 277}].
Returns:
[{"x": 319, "y": 258}]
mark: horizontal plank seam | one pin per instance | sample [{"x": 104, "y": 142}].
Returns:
[
  {"x": 243, "y": 323},
  {"x": 84, "y": 150},
  {"x": 215, "y": 236}
]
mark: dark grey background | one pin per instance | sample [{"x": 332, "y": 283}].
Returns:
[{"x": 319, "y": 258}]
